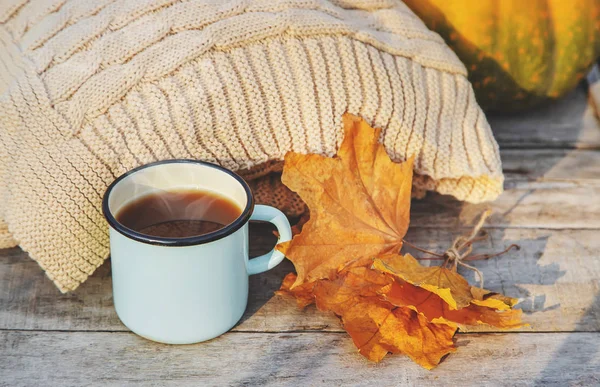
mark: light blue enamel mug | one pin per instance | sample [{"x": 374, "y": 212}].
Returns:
[{"x": 185, "y": 290}]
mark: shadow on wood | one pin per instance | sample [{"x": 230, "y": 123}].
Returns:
[{"x": 586, "y": 361}]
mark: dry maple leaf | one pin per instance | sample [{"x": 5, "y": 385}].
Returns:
[
  {"x": 377, "y": 330},
  {"x": 377, "y": 326},
  {"x": 359, "y": 203},
  {"x": 441, "y": 293},
  {"x": 303, "y": 294},
  {"x": 447, "y": 284},
  {"x": 357, "y": 283},
  {"x": 347, "y": 256},
  {"x": 437, "y": 310}
]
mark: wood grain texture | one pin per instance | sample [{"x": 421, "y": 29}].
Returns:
[
  {"x": 594, "y": 96},
  {"x": 290, "y": 359},
  {"x": 568, "y": 205},
  {"x": 556, "y": 274},
  {"x": 558, "y": 165},
  {"x": 566, "y": 123},
  {"x": 547, "y": 188}
]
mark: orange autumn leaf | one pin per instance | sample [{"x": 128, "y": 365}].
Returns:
[
  {"x": 347, "y": 256},
  {"x": 352, "y": 285},
  {"x": 377, "y": 330},
  {"x": 484, "y": 297},
  {"x": 359, "y": 203},
  {"x": 377, "y": 326},
  {"x": 435, "y": 309},
  {"x": 303, "y": 293},
  {"x": 445, "y": 283}
]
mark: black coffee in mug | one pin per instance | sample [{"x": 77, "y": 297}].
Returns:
[{"x": 178, "y": 213}]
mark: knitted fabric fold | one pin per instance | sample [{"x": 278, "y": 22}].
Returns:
[{"x": 90, "y": 89}]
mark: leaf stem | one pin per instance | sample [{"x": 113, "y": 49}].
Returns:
[
  {"x": 481, "y": 257},
  {"x": 440, "y": 256}
]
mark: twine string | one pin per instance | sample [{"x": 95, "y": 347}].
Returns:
[{"x": 462, "y": 247}]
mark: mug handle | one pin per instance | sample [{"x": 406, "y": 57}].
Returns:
[{"x": 274, "y": 257}]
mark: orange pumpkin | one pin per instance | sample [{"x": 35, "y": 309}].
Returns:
[{"x": 519, "y": 53}]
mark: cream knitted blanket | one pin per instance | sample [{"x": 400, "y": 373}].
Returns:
[{"x": 92, "y": 88}]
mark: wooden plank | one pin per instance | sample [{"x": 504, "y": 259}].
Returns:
[
  {"x": 556, "y": 274},
  {"x": 534, "y": 165},
  {"x": 542, "y": 204},
  {"x": 566, "y": 123},
  {"x": 543, "y": 189},
  {"x": 290, "y": 359}
]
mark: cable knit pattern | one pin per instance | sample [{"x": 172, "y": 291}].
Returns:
[{"x": 92, "y": 88}]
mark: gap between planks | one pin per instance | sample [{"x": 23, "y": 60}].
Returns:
[{"x": 338, "y": 332}]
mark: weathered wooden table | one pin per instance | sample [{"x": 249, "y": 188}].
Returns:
[{"x": 551, "y": 208}]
